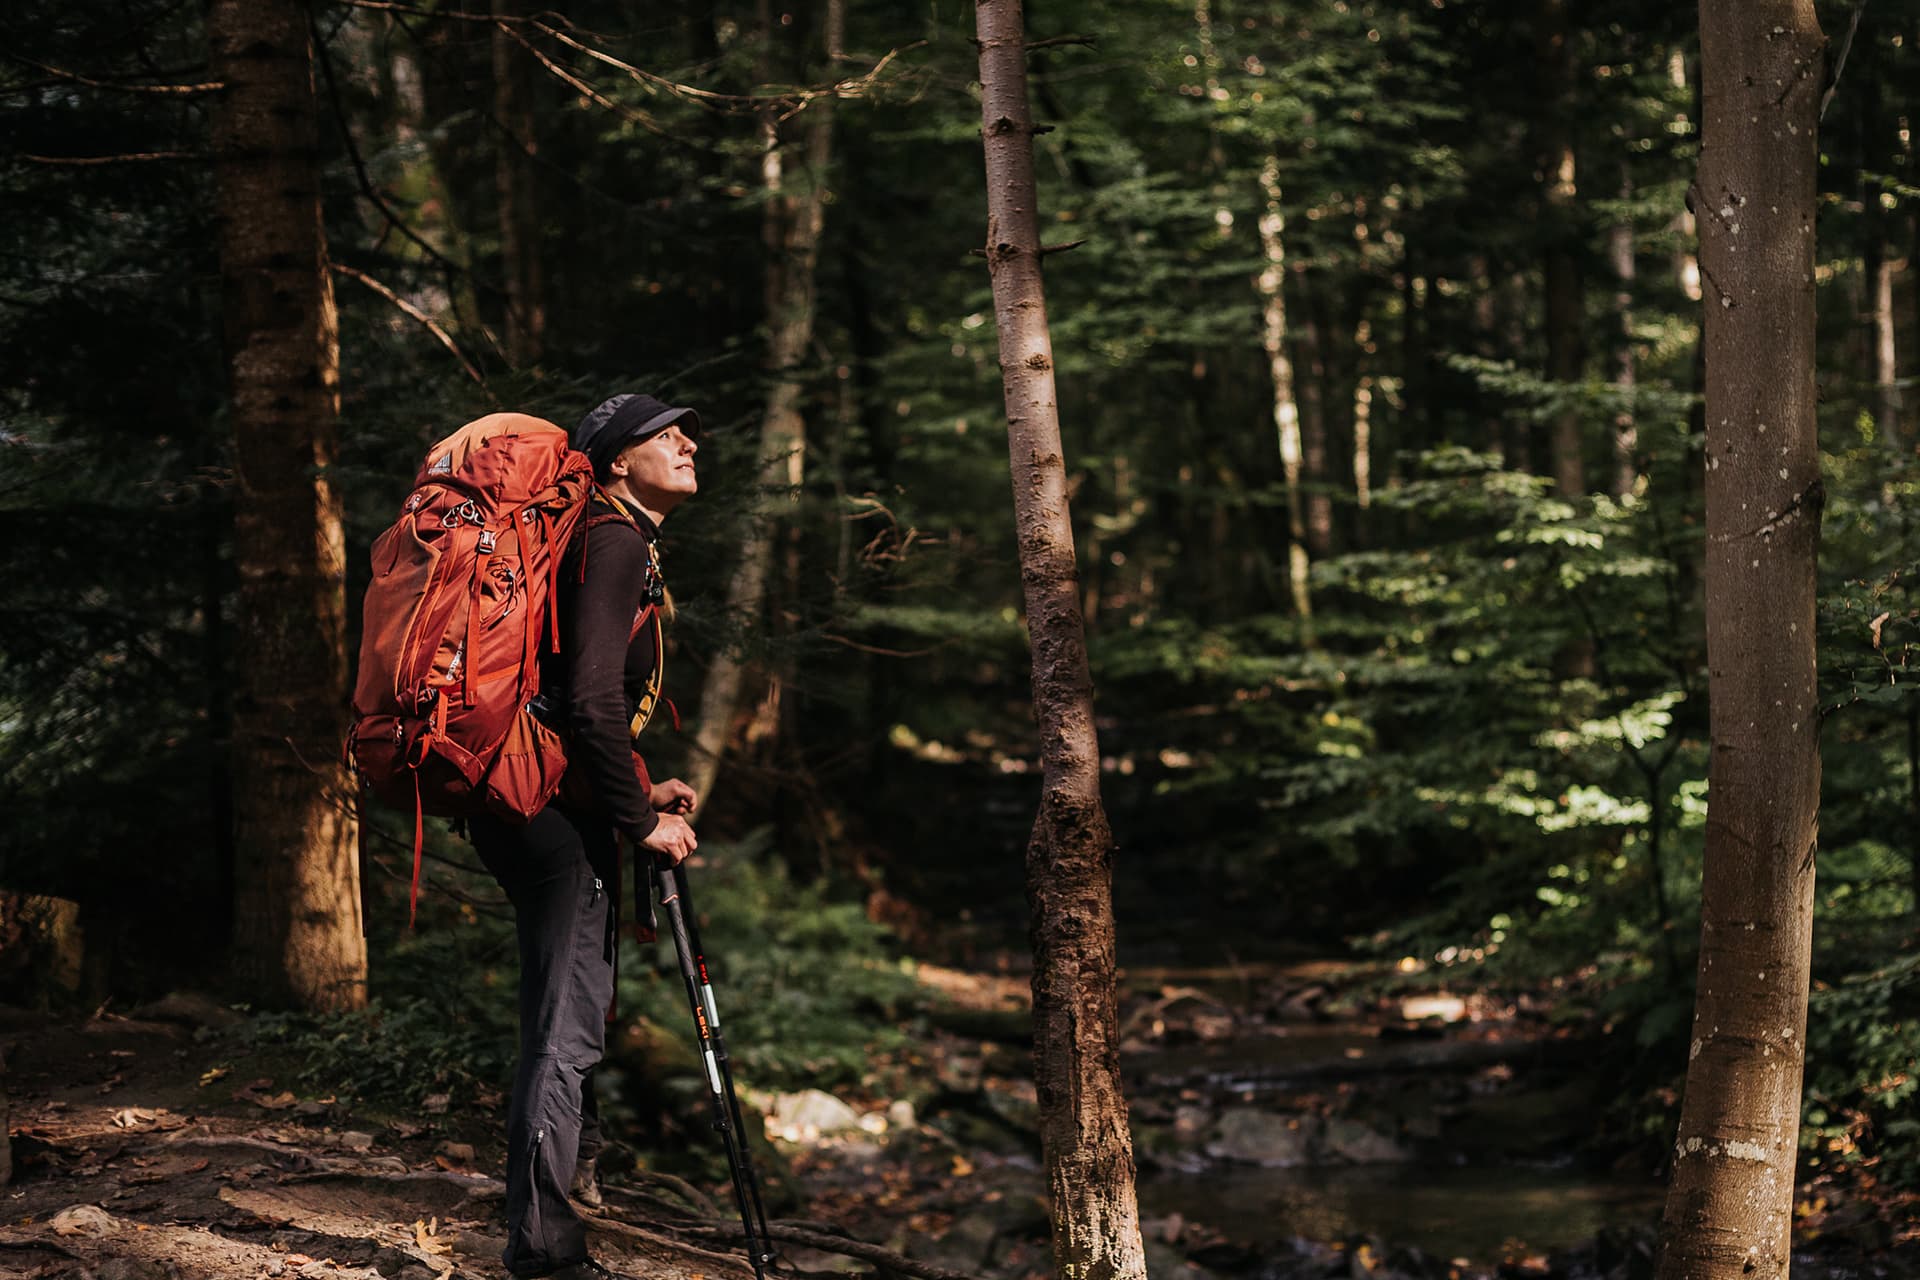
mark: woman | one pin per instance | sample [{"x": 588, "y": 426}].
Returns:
[{"x": 559, "y": 870}]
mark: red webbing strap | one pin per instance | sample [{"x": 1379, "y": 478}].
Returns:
[
  {"x": 553, "y": 578},
  {"x": 417, "y": 756},
  {"x": 419, "y": 832}
]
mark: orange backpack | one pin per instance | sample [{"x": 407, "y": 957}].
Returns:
[{"x": 459, "y": 609}]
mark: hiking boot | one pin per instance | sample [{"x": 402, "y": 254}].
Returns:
[
  {"x": 588, "y": 1270},
  {"x": 586, "y": 1183}
]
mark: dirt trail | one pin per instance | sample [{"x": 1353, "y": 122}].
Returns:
[{"x": 141, "y": 1150}]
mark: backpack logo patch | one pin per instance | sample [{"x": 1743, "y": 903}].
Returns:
[{"x": 442, "y": 466}]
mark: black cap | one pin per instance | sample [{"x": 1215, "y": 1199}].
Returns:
[{"x": 621, "y": 420}]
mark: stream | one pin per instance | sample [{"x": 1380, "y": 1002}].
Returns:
[{"x": 1269, "y": 1109}]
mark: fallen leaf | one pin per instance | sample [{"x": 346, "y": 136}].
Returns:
[
  {"x": 211, "y": 1074},
  {"x": 426, "y": 1235},
  {"x": 1875, "y": 626},
  {"x": 128, "y": 1117},
  {"x": 962, "y": 1167},
  {"x": 196, "y": 1166}
]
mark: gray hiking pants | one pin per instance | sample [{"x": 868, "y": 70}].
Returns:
[{"x": 558, "y": 871}]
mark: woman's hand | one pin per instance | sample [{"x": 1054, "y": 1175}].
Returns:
[
  {"x": 673, "y": 796},
  {"x": 672, "y": 839}
]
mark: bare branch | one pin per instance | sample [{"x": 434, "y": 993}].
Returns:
[
  {"x": 583, "y": 88},
  {"x": 135, "y": 158},
  {"x": 74, "y": 77},
  {"x": 421, "y": 317}
]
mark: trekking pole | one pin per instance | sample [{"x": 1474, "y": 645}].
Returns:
[{"x": 672, "y": 884}]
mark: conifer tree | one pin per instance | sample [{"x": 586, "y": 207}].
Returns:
[{"x": 297, "y": 933}]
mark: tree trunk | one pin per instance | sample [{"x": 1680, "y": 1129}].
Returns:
[
  {"x": 1083, "y": 1115},
  {"x": 1562, "y": 277},
  {"x": 1730, "y": 1205},
  {"x": 1286, "y": 410},
  {"x": 297, "y": 930},
  {"x": 1626, "y": 433},
  {"x": 1686, "y": 267},
  {"x": 515, "y": 145},
  {"x": 791, "y": 231},
  {"x": 1886, "y": 376},
  {"x": 1312, "y": 383}
]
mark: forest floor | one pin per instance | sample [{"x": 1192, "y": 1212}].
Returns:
[{"x": 1287, "y": 1125}]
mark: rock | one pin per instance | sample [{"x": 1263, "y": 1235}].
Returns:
[
  {"x": 353, "y": 1140},
  {"x": 85, "y": 1220},
  {"x": 188, "y": 1008},
  {"x": 961, "y": 1073},
  {"x": 1262, "y": 1137},
  {"x": 1191, "y": 1121},
  {"x": 965, "y": 1247},
  {"x": 1356, "y": 1143},
  {"x": 1445, "y": 1008},
  {"x": 1303, "y": 1005},
  {"x": 128, "y": 1269},
  {"x": 900, "y": 1115},
  {"x": 436, "y": 1103},
  {"x": 311, "y": 1108},
  {"x": 1015, "y": 1108},
  {"x": 1168, "y": 1262},
  {"x": 810, "y": 1115}
]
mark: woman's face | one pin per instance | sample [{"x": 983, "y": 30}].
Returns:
[{"x": 660, "y": 468}]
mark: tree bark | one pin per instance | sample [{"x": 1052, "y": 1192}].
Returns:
[
  {"x": 1620, "y": 256},
  {"x": 793, "y": 222},
  {"x": 297, "y": 930},
  {"x": 1286, "y": 410},
  {"x": 1083, "y": 1115},
  {"x": 1562, "y": 275},
  {"x": 1730, "y": 1204},
  {"x": 1886, "y": 376},
  {"x": 1312, "y": 387},
  {"x": 515, "y": 188}
]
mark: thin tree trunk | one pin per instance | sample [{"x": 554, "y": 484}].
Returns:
[
  {"x": 1562, "y": 278},
  {"x": 297, "y": 928},
  {"x": 1626, "y": 433},
  {"x": 1886, "y": 376},
  {"x": 1415, "y": 419},
  {"x": 1686, "y": 267},
  {"x": 1083, "y": 1114},
  {"x": 1312, "y": 385},
  {"x": 794, "y": 220},
  {"x": 1913, "y": 803},
  {"x": 1286, "y": 410},
  {"x": 520, "y": 258},
  {"x": 1362, "y": 418},
  {"x": 1730, "y": 1204}
]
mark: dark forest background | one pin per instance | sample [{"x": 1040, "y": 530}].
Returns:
[{"x": 1438, "y": 698}]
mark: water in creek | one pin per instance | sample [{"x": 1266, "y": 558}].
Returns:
[{"x": 1447, "y": 1212}]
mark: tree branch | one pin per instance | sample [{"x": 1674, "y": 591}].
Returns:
[
  {"x": 74, "y": 77},
  {"x": 421, "y": 317}
]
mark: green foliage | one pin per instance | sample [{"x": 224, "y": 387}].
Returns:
[
  {"x": 397, "y": 1051},
  {"x": 809, "y": 989},
  {"x": 1863, "y": 1039}
]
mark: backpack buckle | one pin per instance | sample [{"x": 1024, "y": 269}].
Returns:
[{"x": 487, "y": 538}]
